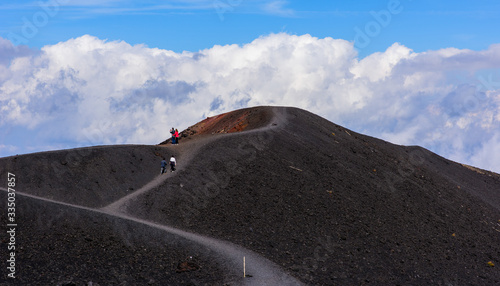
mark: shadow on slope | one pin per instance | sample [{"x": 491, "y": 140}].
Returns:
[
  {"x": 334, "y": 207},
  {"x": 93, "y": 176}
]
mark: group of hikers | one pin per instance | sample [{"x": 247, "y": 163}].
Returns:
[
  {"x": 175, "y": 135},
  {"x": 173, "y": 162}
]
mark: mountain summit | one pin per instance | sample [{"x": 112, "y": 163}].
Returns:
[{"x": 306, "y": 201}]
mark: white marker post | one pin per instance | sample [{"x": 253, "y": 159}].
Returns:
[{"x": 244, "y": 270}]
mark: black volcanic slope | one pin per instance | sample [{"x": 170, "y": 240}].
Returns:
[
  {"x": 334, "y": 207},
  {"x": 330, "y": 206}
]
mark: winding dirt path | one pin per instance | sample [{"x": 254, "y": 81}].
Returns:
[
  {"x": 186, "y": 153},
  {"x": 262, "y": 270}
]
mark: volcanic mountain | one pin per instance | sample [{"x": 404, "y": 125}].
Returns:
[{"x": 304, "y": 201}]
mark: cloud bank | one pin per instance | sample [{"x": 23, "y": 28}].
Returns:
[{"x": 89, "y": 91}]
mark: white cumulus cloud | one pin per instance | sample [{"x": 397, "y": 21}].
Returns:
[{"x": 89, "y": 91}]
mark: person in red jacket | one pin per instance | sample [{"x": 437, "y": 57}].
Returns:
[{"x": 176, "y": 135}]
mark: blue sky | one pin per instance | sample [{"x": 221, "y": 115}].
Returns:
[
  {"x": 82, "y": 73},
  {"x": 197, "y": 24}
]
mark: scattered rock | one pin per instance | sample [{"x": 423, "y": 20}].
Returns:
[{"x": 187, "y": 265}]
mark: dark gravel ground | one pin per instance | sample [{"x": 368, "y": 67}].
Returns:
[
  {"x": 331, "y": 206},
  {"x": 60, "y": 245}
]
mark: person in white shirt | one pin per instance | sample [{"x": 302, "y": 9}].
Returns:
[{"x": 172, "y": 163}]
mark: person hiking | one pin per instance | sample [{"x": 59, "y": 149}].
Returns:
[
  {"x": 176, "y": 135},
  {"x": 172, "y": 131},
  {"x": 172, "y": 163},
  {"x": 163, "y": 166}
]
